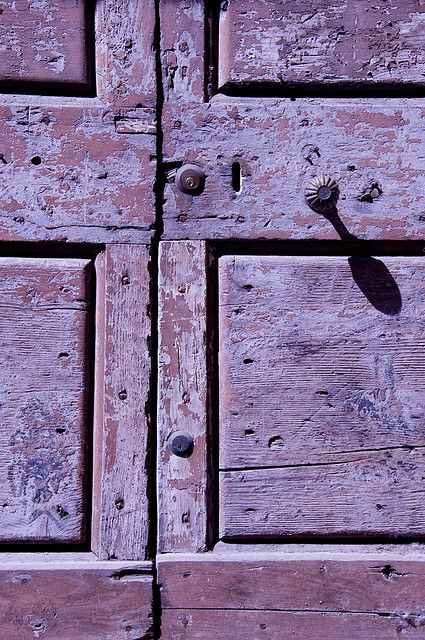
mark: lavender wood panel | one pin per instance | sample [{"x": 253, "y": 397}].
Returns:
[
  {"x": 341, "y": 340},
  {"x": 183, "y": 519},
  {"x": 372, "y": 148},
  {"x": 45, "y": 43},
  {"x": 44, "y": 334},
  {"x": 321, "y": 407},
  {"x": 122, "y": 458},
  {"x": 125, "y": 52},
  {"x": 67, "y": 174},
  {"x": 58, "y": 598},
  {"x": 321, "y": 42},
  {"x": 335, "y": 579},
  {"x": 191, "y": 624},
  {"x": 183, "y": 49}
]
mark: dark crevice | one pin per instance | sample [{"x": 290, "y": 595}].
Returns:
[
  {"x": 343, "y": 90},
  {"x": 154, "y": 301}
]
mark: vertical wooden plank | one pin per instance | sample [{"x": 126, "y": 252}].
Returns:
[
  {"x": 183, "y": 49},
  {"x": 182, "y": 395},
  {"x": 122, "y": 378},
  {"x": 126, "y": 74}
]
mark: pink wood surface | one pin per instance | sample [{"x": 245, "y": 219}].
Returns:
[
  {"x": 44, "y": 380},
  {"x": 122, "y": 407},
  {"x": 316, "y": 42}
]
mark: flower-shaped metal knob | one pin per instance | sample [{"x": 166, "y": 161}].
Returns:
[{"x": 321, "y": 193}]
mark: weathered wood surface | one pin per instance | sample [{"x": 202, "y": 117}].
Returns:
[
  {"x": 125, "y": 53},
  {"x": 372, "y": 148},
  {"x": 183, "y": 519},
  {"x": 191, "y": 624},
  {"x": 321, "y": 42},
  {"x": 68, "y": 175},
  {"x": 44, "y": 367},
  {"x": 59, "y": 598},
  {"x": 366, "y": 594},
  {"x": 183, "y": 49},
  {"x": 321, "y": 398},
  {"x": 45, "y": 43},
  {"x": 367, "y": 580},
  {"x": 122, "y": 411}
]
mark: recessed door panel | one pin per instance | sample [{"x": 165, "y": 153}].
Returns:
[
  {"x": 46, "y": 43},
  {"x": 321, "y": 407},
  {"x": 44, "y": 381},
  {"x": 316, "y": 42}
]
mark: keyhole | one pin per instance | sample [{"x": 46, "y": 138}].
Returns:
[{"x": 236, "y": 177}]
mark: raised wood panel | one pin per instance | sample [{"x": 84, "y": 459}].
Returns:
[
  {"x": 59, "y": 598},
  {"x": 321, "y": 408},
  {"x": 321, "y": 43},
  {"x": 372, "y": 148},
  {"x": 44, "y": 380},
  {"x": 122, "y": 459},
  {"x": 46, "y": 43},
  {"x": 69, "y": 175},
  {"x": 183, "y": 518}
]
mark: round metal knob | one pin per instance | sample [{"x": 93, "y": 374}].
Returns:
[
  {"x": 190, "y": 179},
  {"x": 181, "y": 444},
  {"x": 321, "y": 193}
]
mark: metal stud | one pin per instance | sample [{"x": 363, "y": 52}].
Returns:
[
  {"x": 181, "y": 444},
  {"x": 190, "y": 179},
  {"x": 321, "y": 193}
]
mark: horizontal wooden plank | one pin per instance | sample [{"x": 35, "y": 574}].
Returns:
[
  {"x": 320, "y": 387},
  {"x": 190, "y": 624},
  {"x": 45, "y": 43},
  {"x": 372, "y": 148},
  {"x": 58, "y": 599},
  {"x": 321, "y": 43},
  {"x": 68, "y": 175},
  {"x": 362, "y": 494},
  {"x": 44, "y": 380},
  {"x": 380, "y": 580}
]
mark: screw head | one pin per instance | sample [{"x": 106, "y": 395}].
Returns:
[
  {"x": 190, "y": 179},
  {"x": 321, "y": 193},
  {"x": 181, "y": 444}
]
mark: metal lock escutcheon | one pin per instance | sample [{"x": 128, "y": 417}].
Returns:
[{"x": 190, "y": 179}]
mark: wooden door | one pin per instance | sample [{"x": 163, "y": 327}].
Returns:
[
  {"x": 77, "y": 168},
  {"x": 290, "y": 403}
]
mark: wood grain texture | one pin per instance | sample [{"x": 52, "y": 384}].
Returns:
[
  {"x": 382, "y": 581},
  {"x": 320, "y": 42},
  {"x": 68, "y": 175},
  {"x": 191, "y": 624},
  {"x": 281, "y": 145},
  {"x": 126, "y": 75},
  {"x": 183, "y": 49},
  {"x": 122, "y": 381},
  {"x": 44, "y": 381},
  {"x": 45, "y": 43},
  {"x": 321, "y": 408},
  {"x": 182, "y": 395},
  {"x": 57, "y": 598}
]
